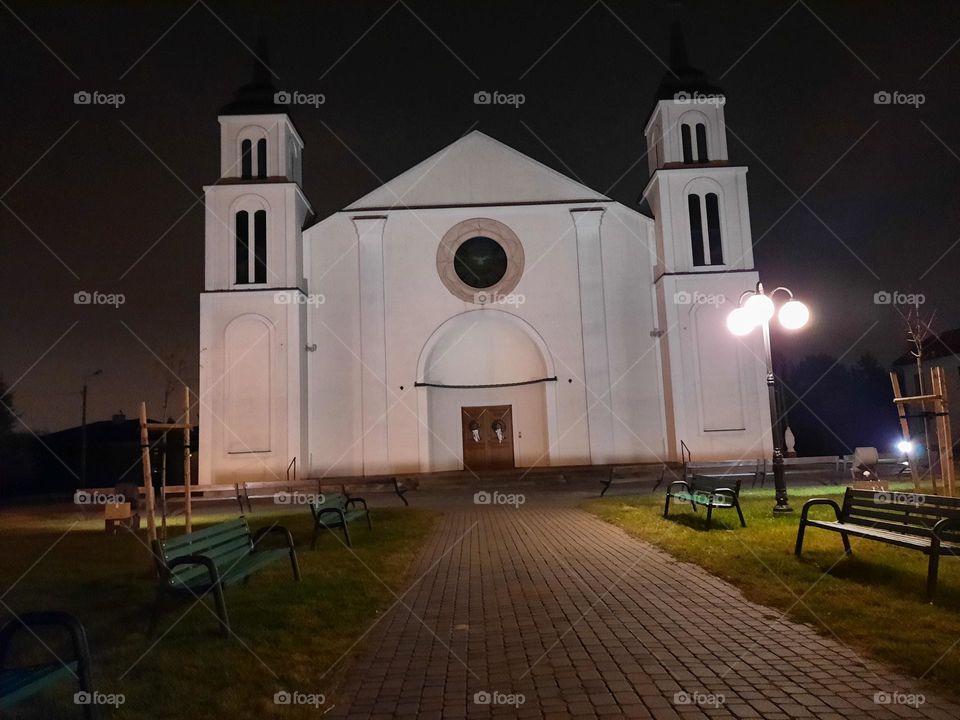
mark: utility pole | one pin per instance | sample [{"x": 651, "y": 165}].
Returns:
[{"x": 83, "y": 429}]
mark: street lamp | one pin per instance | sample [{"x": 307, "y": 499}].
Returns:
[
  {"x": 756, "y": 309},
  {"x": 83, "y": 429}
]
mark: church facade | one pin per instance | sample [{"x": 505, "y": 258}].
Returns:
[{"x": 480, "y": 310}]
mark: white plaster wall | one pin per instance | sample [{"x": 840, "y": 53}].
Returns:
[
  {"x": 417, "y": 303},
  {"x": 712, "y": 372},
  {"x": 283, "y": 322}
]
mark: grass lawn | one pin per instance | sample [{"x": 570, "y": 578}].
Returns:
[
  {"x": 872, "y": 601},
  {"x": 288, "y": 636}
]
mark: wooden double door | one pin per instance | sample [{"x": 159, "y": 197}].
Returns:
[{"x": 487, "y": 437}]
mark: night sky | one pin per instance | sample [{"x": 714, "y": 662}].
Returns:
[{"x": 107, "y": 199}]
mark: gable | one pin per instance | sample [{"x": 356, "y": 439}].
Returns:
[{"x": 476, "y": 170}]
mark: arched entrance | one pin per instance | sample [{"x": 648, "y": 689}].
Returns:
[{"x": 491, "y": 360}]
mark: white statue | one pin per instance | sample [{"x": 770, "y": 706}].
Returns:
[{"x": 790, "y": 441}]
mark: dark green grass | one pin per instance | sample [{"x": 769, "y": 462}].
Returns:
[{"x": 288, "y": 636}]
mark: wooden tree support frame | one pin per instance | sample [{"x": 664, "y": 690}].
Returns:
[
  {"x": 145, "y": 428},
  {"x": 941, "y": 411}
]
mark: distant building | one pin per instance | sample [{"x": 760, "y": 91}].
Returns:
[{"x": 479, "y": 310}]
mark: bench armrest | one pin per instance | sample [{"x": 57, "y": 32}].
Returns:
[
  {"x": 819, "y": 501},
  {"x": 351, "y": 500},
  {"x": 31, "y": 620},
  {"x": 208, "y": 563},
  {"x": 682, "y": 483},
  {"x": 263, "y": 532},
  {"x": 945, "y": 524},
  {"x": 317, "y": 514}
]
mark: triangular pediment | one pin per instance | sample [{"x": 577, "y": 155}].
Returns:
[{"x": 476, "y": 170}]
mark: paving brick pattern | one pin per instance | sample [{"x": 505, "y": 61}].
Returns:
[{"x": 582, "y": 620}]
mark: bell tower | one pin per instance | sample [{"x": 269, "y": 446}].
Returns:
[
  {"x": 704, "y": 261},
  {"x": 253, "y": 318}
]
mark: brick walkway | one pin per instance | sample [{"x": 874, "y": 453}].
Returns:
[{"x": 584, "y": 621}]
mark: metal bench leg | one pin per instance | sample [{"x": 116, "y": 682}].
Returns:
[
  {"x": 666, "y": 505},
  {"x": 800, "y": 530},
  {"x": 346, "y": 534},
  {"x": 846, "y": 544},
  {"x": 709, "y": 515},
  {"x": 932, "y": 571},
  {"x": 221, "y": 608},
  {"x": 369, "y": 526},
  {"x": 295, "y": 564},
  {"x": 736, "y": 504}
]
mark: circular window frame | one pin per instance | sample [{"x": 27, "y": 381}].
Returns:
[{"x": 459, "y": 234}]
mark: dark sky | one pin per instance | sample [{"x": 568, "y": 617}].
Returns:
[{"x": 113, "y": 206}]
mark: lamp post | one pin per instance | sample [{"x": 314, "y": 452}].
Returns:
[
  {"x": 83, "y": 429},
  {"x": 756, "y": 309}
]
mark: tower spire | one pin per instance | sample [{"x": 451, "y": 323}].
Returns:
[{"x": 259, "y": 96}]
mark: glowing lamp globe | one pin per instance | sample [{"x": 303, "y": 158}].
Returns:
[
  {"x": 905, "y": 446},
  {"x": 759, "y": 308},
  {"x": 739, "y": 322},
  {"x": 794, "y": 315}
]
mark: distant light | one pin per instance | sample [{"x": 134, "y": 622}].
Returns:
[
  {"x": 739, "y": 322},
  {"x": 794, "y": 315},
  {"x": 760, "y": 308},
  {"x": 905, "y": 446}
]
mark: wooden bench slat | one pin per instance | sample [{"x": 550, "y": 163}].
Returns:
[{"x": 200, "y": 536}]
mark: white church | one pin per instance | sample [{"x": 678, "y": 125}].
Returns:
[{"x": 480, "y": 310}]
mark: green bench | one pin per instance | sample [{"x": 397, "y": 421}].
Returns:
[
  {"x": 335, "y": 510},
  {"x": 927, "y": 523},
  {"x": 708, "y": 491},
  {"x": 208, "y": 560},
  {"x": 20, "y": 683}
]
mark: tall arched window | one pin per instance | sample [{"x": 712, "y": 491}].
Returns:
[
  {"x": 261, "y": 158},
  {"x": 260, "y": 246},
  {"x": 243, "y": 247},
  {"x": 704, "y": 213},
  {"x": 696, "y": 228},
  {"x": 251, "y": 259},
  {"x": 687, "y": 143},
  {"x": 713, "y": 229},
  {"x": 701, "y": 143},
  {"x": 246, "y": 159}
]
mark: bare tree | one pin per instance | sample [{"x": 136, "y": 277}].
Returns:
[{"x": 918, "y": 334}]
